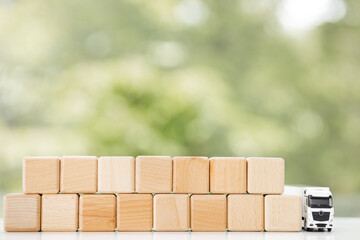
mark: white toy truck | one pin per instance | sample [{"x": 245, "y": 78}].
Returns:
[
  {"x": 318, "y": 210},
  {"x": 317, "y": 205}
]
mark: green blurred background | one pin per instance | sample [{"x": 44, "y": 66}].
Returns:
[{"x": 215, "y": 78}]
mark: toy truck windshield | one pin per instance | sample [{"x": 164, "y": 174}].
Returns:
[{"x": 320, "y": 202}]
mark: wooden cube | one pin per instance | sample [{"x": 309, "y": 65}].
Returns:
[
  {"x": 208, "y": 213},
  {"x": 283, "y": 213},
  {"x": 59, "y": 212},
  {"x": 191, "y": 175},
  {"x": 78, "y": 175},
  {"x": 116, "y": 174},
  {"x": 245, "y": 212},
  {"x": 171, "y": 212},
  {"x": 97, "y": 212},
  {"x": 265, "y": 175},
  {"x": 134, "y": 212},
  {"x": 22, "y": 212},
  {"x": 153, "y": 174},
  {"x": 41, "y": 174},
  {"x": 228, "y": 175}
]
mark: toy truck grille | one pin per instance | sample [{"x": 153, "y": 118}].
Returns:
[{"x": 321, "y": 216}]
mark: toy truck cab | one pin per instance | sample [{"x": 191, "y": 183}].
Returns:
[{"x": 318, "y": 211}]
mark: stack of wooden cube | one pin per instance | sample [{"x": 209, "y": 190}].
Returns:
[{"x": 157, "y": 193}]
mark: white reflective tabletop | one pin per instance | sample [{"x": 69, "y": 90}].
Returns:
[{"x": 345, "y": 228}]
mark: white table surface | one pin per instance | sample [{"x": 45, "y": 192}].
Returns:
[{"x": 345, "y": 228}]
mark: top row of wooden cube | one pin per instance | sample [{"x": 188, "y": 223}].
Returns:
[{"x": 153, "y": 174}]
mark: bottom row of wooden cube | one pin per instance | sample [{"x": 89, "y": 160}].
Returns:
[{"x": 145, "y": 212}]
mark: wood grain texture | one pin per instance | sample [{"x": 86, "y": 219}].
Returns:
[
  {"x": 41, "y": 174},
  {"x": 245, "y": 212},
  {"x": 191, "y": 175},
  {"x": 134, "y": 212},
  {"x": 228, "y": 175},
  {"x": 78, "y": 174},
  {"x": 208, "y": 213},
  {"x": 153, "y": 174},
  {"x": 59, "y": 212},
  {"x": 283, "y": 213},
  {"x": 116, "y": 174},
  {"x": 97, "y": 212},
  {"x": 171, "y": 212},
  {"x": 265, "y": 175},
  {"x": 22, "y": 212}
]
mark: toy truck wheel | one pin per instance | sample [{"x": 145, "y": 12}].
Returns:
[
  {"x": 329, "y": 229},
  {"x": 306, "y": 228}
]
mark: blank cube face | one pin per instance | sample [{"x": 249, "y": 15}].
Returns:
[
  {"x": 283, "y": 213},
  {"x": 153, "y": 174},
  {"x": 116, "y": 174},
  {"x": 97, "y": 213},
  {"x": 228, "y": 175},
  {"x": 191, "y": 175},
  {"x": 265, "y": 175},
  {"x": 22, "y": 212},
  {"x": 78, "y": 175},
  {"x": 171, "y": 212},
  {"x": 208, "y": 212},
  {"x": 59, "y": 212},
  {"x": 245, "y": 212},
  {"x": 134, "y": 212},
  {"x": 41, "y": 174}
]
